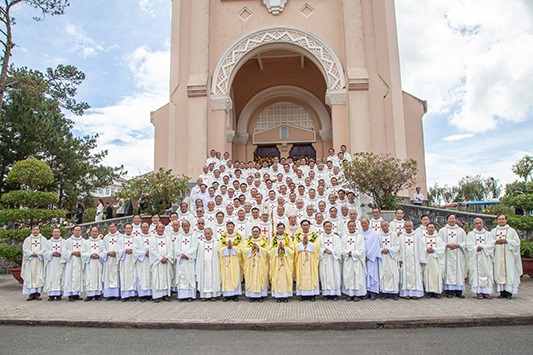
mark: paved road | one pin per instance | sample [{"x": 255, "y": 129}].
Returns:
[{"x": 480, "y": 340}]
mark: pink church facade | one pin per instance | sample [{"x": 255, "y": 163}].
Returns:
[{"x": 286, "y": 75}]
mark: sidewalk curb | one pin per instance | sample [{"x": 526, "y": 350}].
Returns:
[{"x": 266, "y": 325}]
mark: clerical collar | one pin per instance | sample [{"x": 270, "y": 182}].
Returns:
[
  {"x": 113, "y": 234},
  {"x": 160, "y": 236},
  {"x": 432, "y": 235},
  {"x": 74, "y": 237},
  {"x": 453, "y": 227},
  {"x": 409, "y": 234},
  {"x": 480, "y": 231},
  {"x": 94, "y": 239},
  {"x": 504, "y": 227},
  {"x": 128, "y": 235}
]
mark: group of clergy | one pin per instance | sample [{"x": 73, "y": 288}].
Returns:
[{"x": 391, "y": 259}]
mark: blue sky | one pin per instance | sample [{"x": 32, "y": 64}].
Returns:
[{"x": 471, "y": 60}]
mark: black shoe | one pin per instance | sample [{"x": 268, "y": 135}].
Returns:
[
  {"x": 203, "y": 299},
  {"x": 226, "y": 299},
  {"x": 356, "y": 299},
  {"x": 335, "y": 298},
  {"x": 438, "y": 296},
  {"x": 261, "y": 300},
  {"x": 251, "y": 300},
  {"x": 107, "y": 299},
  {"x": 236, "y": 299},
  {"x": 213, "y": 299},
  {"x": 59, "y": 298},
  {"x": 312, "y": 299},
  {"x": 50, "y": 298},
  {"x": 285, "y": 300},
  {"x": 71, "y": 299},
  {"x": 124, "y": 300},
  {"x": 133, "y": 299},
  {"x": 117, "y": 299},
  {"x": 142, "y": 299},
  {"x": 302, "y": 298},
  {"x": 396, "y": 297},
  {"x": 348, "y": 299},
  {"x": 459, "y": 294},
  {"x": 428, "y": 294},
  {"x": 508, "y": 295},
  {"x": 366, "y": 296},
  {"x": 87, "y": 299},
  {"x": 372, "y": 296},
  {"x": 449, "y": 294},
  {"x": 98, "y": 298},
  {"x": 279, "y": 300}
]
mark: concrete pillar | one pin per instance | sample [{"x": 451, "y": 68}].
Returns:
[{"x": 339, "y": 117}]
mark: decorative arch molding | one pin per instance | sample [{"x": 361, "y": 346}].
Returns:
[
  {"x": 294, "y": 39},
  {"x": 282, "y": 91}
]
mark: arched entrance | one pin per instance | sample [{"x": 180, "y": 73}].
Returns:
[{"x": 271, "y": 66}]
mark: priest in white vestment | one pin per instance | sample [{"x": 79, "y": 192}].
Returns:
[
  {"x": 74, "y": 267},
  {"x": 353, "y": 266},
  {"x": 507, "y": 261},
  {"x": 480, "y": 246},
  {"x": 33, "y": 265},
  {"x": 128, "y": 267},
  {"x": 141, "y": 249},
  {"x": 411, "y": 258},
  {"x": 161, "y": 257},
  {"x": 433, "y": 278},
  {"x": 396, "y": 226},
  {"x": 330, "y": 263},
  {"x": 53, "y": 268},
  {"x": 454, "y": 239},
  {"x": 92, "y": 256},
  {"x": 185, "y": 248},
  {"x": 389, "y": 274},
  {"x": 208, "y": 267},
  {"x": 111, "y": 261}
]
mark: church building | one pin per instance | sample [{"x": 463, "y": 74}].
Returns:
[{"x": 285, "y": 77}]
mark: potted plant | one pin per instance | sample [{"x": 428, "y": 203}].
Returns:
[
  {"x": 380, "y": 176},
  {"x": 526, "y": 251},
  {"x": 31, "y": 204}
]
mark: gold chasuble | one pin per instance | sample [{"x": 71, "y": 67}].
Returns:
[
  {"x": 230, "y": 261},
  {"x": 306, "y": 261}
]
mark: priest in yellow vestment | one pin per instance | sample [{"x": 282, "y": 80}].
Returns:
[
  {"x": 307, "y": 251},
  {"x": 255, "y": 255},
  {"x": 230, "y": 254},
  {"x": 281, "y": 264}
]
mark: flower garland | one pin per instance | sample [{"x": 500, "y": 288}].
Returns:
[
  {"x": 286, "y": 240},
  {"x": 263, "y": 244},
  {"x": 236, "y": 241},
  {"x": 313, "y": 239}
]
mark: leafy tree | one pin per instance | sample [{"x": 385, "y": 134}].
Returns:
[
  {"x": 158, "y": 190},
  {"x": 468, "y": 188},
  {"x": 32, "y": 124},
  {"x": 524, "y": 167},
  {"x": 380, "y": 176},
  {"x": 45, "y": 7}
]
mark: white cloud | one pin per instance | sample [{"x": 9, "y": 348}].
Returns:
[
  {"x": 83, "y": 44},
  {"x": 457, "y": 137},
  {"x": 124, "y": 128},
  {"x": 469, "y": 59}
]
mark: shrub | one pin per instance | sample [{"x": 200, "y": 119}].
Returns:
[
  {"x": 526, "y": 249},
  {"x": 13, "y": 254}
]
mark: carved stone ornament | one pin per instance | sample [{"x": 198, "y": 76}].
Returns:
[{"x": 275, "y": 7}]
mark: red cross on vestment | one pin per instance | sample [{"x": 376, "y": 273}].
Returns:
[
  {"x": 95, "y": 245},
  {"x": 480, "y": 239},
  {"x": 501, "y": 234},
  {"x": 146, "y": 241},
  {"x": 161, "y": 243},
  {"x": 185, "y": 241},
  {"x": 452, "y": 234},
  {"x": 431, "y": 243},
  {"x": 112, "y": 241},
  {"x": 264, "y": 230},
  {"x": 386, "y": 242},
  {"x": 76, "y": 245},
  {"x": 328, "y": 243},
  {"x": 409, "y": 242},
  {"x": 36, "y": 243},
  {"x": 128, "y": 243},
  {"x": 208, "y": 248},
  {"x": 241, "y": 228},
  {"x": 351, "y": 241},
  {"x": 56, "y": 246}
]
